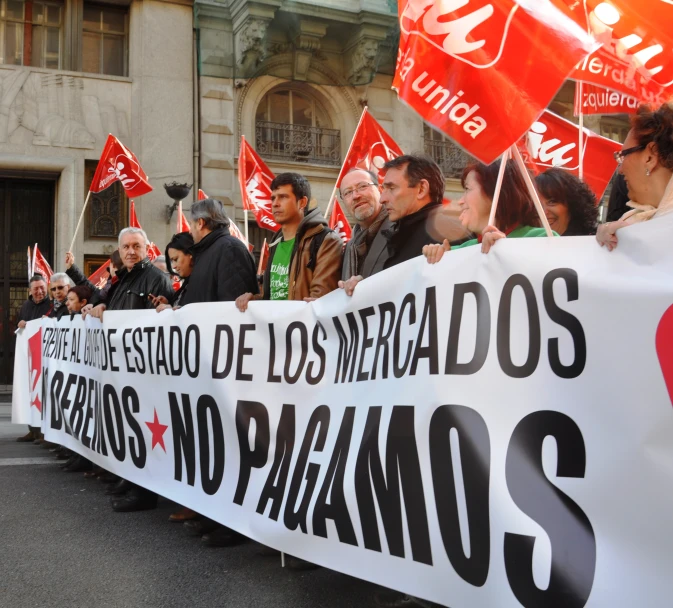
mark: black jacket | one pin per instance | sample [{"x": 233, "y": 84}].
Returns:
[
  {"x": 132, "y": 289},
  {"x": 223, "y": 270},
  {"x": 59, "y": 311},
  {"x": 407, "y": 236},
  {"x": 78, "y": 278},
  {"x": 30, "y": 311}
]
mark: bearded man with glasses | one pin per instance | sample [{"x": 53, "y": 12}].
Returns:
[{"x": 366, "y": 252}]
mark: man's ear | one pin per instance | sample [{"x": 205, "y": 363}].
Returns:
[
  {"x": 303, "y": 202},
  {"x": 424, "y": 188}
]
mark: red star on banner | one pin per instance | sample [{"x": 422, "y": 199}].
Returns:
[{"x": 157, "y": 429}]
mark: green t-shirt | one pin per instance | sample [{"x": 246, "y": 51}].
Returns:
[
  {"x": 521, "y": 232},
  {"x": 280, "y": 270}
]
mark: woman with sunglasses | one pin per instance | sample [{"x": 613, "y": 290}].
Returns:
[{"x": 646, "y": 162}]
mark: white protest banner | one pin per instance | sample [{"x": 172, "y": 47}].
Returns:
[
  {"x": 26, "y": 387},
  {"x": 495, "y": 430}
]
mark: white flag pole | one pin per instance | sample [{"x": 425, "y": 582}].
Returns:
[
  {"x": 30, "y": 274},
  {"x": 581, "y": 134},
  {"x": 178, "y": 223},
  {"x": 498, "y": 186},
  {"x": 32, "y": 268},
  {"x": 531, "y": 189},
  {"x": 79, "y": 223},
  {"x": 350, "y": 147}
]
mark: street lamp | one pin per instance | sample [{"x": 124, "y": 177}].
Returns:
[{"x": 178, "y": 192}]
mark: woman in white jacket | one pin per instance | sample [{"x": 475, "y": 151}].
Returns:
[{"x": 646, "y": 162}]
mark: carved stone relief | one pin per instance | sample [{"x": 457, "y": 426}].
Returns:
[
  {"x": 363, "y": 61},
  {"x": 55, "y": 110},
  {"x": 251, "y": 41}
]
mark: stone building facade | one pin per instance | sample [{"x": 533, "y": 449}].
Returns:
[{"x": 72, "y": 71}]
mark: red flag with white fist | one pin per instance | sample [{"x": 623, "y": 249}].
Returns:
[
  {"x": 339, "y": 223},
  {"x": 40, "y": 265},
  {"x": 482, "y": 71},
  {"x": 370, "y": 149},
  {"x": 553, "y": 141},
  {"x": 118, "y": 163},
  {"x": 255, "y": 178}
]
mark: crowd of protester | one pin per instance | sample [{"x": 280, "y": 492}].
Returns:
[{"x": 401, "y": 219}]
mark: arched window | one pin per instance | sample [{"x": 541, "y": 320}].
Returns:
[
  {"x": 291, "y": 125},
  {"x": 451, "y": 159}
]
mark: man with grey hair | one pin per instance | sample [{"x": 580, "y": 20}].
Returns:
[
  {"x": 223, "y": 270},
  {"x": 59, "y": 286},
  {"x": 137, "y": 280},
  {"x": 366, "y": 252},
  {"x": 223, "y": 266}
]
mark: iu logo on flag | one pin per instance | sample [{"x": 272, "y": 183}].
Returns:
[{"x": 457, "y": 27}]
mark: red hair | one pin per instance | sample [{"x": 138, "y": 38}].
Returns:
[{"x": 515, "y": 207}]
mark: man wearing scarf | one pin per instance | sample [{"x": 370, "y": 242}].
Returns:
[{"x": 366, "y": 252}]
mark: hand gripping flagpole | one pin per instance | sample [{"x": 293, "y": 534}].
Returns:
[
  {"x": 79, "y": 222},
  {"x": 531, "y": 189},
  {"x": 348, "y": 153}
]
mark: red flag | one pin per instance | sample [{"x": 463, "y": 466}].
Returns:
[
  {"x": 553, "y": 141},
  {"x": 133, "y": 218},
  {"x": 118, "y": 163},
  {"x": 598, "y": 100},
  {"x": 35, "y": 366},
  {"x": 183, "y": 224},
  {"x": 255, "y": 178},
  {"x": 40, "y": 265},
  {"x": 235, "y": 231},
  {"x": 370, "y": 149},
  {"x": 202, "y": 195},
  {"x": 339, "y": 223},
  {"x": 482, "y": 71},
  {"x": 153, "y": 251},
  {"x": 637, "y": 38},
  {"x": 263, "y": 258},
  {"x": 100, "y": 277}
]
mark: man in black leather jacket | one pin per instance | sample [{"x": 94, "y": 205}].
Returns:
[{"x": 137, "y": 280}]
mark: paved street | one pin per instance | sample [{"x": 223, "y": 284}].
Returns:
[{"x": 61, "y": 545}]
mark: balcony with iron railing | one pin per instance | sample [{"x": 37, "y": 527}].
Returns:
[
  {"x": 281, "y": 141},
  {"x": 451, "y": 159}
]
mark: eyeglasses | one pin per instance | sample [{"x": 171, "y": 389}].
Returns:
[
  {"x": 360, "y": 188},
  {"x": 622, "y": 154},
  {"x": 57, "y": 287}
]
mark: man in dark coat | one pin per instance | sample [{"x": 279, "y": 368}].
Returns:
[
  {"x": 36, "y": 306},
  {"x": 137, "y": 281},
  {"x": 223, "y": 266},
  {"x": 412, "y": 193},
  {"x": 223, "y": 270}
]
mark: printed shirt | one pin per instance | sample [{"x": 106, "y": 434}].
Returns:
[{"x": 280, "y": 270}]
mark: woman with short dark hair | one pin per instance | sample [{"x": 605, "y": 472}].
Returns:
[{"x": 569, "y": 204}]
